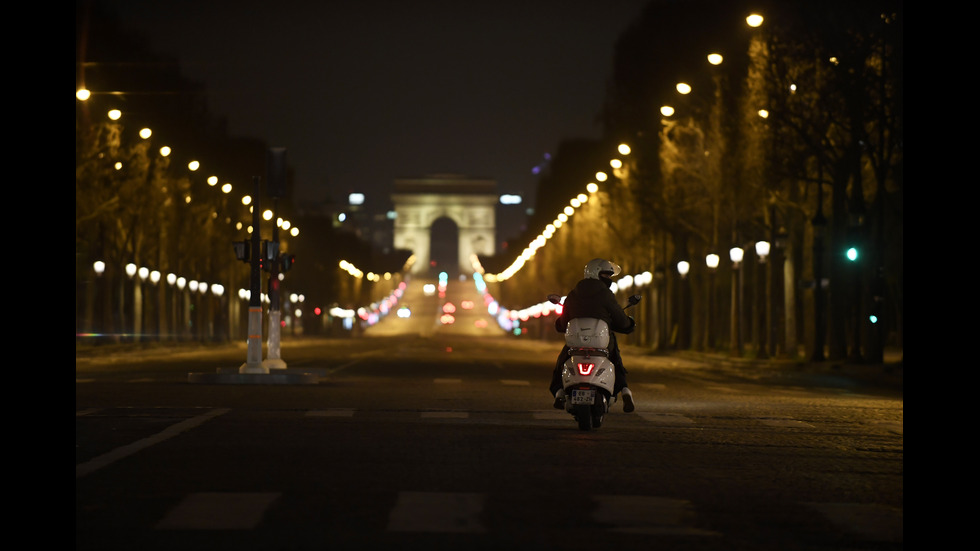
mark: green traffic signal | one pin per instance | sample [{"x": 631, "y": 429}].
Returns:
[{"x": 852, "y": 254}]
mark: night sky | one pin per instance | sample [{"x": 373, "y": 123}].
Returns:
[{"x": 364, "y": 92}]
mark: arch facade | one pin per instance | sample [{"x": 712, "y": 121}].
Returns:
[{"x": 469, "y": 203}]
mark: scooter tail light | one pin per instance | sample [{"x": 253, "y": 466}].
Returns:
[{"x": 585, "y": 368}]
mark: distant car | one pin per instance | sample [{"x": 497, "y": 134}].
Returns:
[{"x": 404, "y": 312}]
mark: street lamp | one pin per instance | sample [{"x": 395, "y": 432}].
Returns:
[
  {"x": 711, "y": 261},
  {"x": 143, "y": 273},
  {"x": 172, "y": 305},
  {"x": 95, "y": 289},
  {"x": 684, "y": 313},
  {"x": 218, "y": 317},
  {"x": 735, "y": 342},
  {"x": 131, "y": 270},
  {"x": 183, "y": 309},
  {"x": 683, "y": 267},
  {"x": 154, "y": 277},
  {"x": 762, "y": 251},
  {"x": 203, "y": 313}
]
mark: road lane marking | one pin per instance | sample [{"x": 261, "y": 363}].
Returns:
[
  {"x": 870, "y": 521},
  {"x": 515, "y": 382},
  {"x": 332, "y": 412},
  {"x": 648, "y": 515},
  {"x": 723, "y": 389},
  {"x": 667, "y": 418},
  {"x": 775, "y": 422},
  {"x": 106, "y": 459},
  {"x": 445, "y": 414},
  {"x": 334, "y": 370},
  {"x": 218, "y": 511},
  {"x": 437, "y": 512},
  {"x": 894, "y": 426}
]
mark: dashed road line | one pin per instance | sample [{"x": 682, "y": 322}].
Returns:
[
  {"x": 106, "y": 459},
  {"x": 332, "y": 412},
  {"x": 869, "y": 521},
  {"x": 724, "y": 389},
  {"x": 777, "y": 422},
  {"x": 218, "y": 511},
  {"x": 667, "y": 418},
  {"x": 441, "y": 512},
  {"x": 444, "y": 414}
]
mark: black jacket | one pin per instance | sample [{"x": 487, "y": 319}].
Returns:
[{"x": 592, "y": 299}]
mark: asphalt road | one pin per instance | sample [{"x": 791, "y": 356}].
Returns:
[{"x": 444, "y": 438}]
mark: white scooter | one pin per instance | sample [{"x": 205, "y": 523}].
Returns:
[{"x": 588, "y": 375}]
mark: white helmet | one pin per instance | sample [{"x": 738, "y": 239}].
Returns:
[{"x": 598, "y": 266}]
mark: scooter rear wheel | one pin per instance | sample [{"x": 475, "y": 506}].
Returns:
[{"x": 583, "y": 414}]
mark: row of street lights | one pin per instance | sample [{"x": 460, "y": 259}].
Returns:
[
  {"x": 139, "y": 276},
  {"x": 576, "y": 202},
  {"x": 736, "y": 254},
  {"x": 176, "y": 309},
  {"x": 736, "y": 337}
]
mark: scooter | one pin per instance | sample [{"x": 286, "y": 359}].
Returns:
[{"x": 588, "y": 375}]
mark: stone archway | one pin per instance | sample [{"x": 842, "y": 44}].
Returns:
[
  {"x": 469, "y": 203},
  {"x": 444, "y": 246}
]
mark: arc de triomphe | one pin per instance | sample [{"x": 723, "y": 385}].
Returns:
[{"x": 469, "y": 203}]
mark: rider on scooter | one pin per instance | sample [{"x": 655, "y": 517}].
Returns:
[{"x": 592, "y": 298}]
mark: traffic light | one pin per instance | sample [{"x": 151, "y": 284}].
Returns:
[
  {"x": 287, "y": 261},
  {"x": 270, "y": 253},
  {"x": 270, "y": 250},
  {"x": 852, "y": 254},
  {"x": 243, "y": 250}
]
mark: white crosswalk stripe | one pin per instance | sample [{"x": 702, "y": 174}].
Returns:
[
  {"x": 437, "y": 512},
  {"x": 648, "y": 515},
  {"x": 464, "y": 513},
  {"x": 218, "y": 511}
]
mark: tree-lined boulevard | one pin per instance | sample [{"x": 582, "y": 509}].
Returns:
[{"x": 753, "y": 194}]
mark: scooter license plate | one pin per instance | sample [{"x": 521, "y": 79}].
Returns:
[{"x": 583, "y": 396}]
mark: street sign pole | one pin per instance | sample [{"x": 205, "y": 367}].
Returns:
[
  {"x": 276, "y": 182},
  {"x": 253, "y": 362}
]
